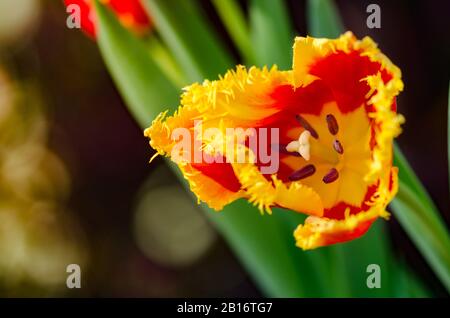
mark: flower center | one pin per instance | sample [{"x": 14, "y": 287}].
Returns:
[{"x": 312, "y": 149}]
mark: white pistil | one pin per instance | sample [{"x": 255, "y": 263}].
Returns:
[{"x": 301, "y": 145}]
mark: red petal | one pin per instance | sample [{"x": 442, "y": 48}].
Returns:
[
  {"x": 222, "y": 173},
  {"x": 342, "y": 73},
  {"x": 340, "y": 237},
  {"x": 337, "y": 212},
  {"x": 132, "y": 7}
]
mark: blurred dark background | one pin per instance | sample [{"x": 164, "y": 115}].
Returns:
[{"x": 107, "y": 156}]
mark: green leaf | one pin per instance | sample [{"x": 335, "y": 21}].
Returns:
[
  {"x": 234, "y": 20},
  {"x": 372, "y": 248},
  {"x": 190, "y": 38},
  {"x": 406, "y": 284},
  {"x": 272, "y": 34},
  {"x": 431, "y": 239},
  {"x": 260, "y": 241},
  {"x": 314, "y": 266},
  {"x": 323, "y": 19},
  {"x": 165, "y": 60},
  {"x": 267, "y": 249},
  {"x": 410, "y": 179},
  {"x": 143, "y": 85}
]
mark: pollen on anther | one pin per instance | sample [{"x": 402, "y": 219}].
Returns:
[
  {"x": 303, "y": 173},
  {"x": 332, "y": 123},
  {"x": 305, "y": 124},
  {"x": 331, "y": 176}
]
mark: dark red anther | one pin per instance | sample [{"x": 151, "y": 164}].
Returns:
[
  {"x": 331, "y": 176},
  {"x": 302, "y": 121},
  {"x": 332, "y": 123},
  {"x": 338, "y": 147},
  {"x": 303, "y": 173}
]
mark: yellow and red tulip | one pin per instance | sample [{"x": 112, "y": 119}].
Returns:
[
  {"x": 130, "y": 13},
  {"x": 335, "y": 112}
]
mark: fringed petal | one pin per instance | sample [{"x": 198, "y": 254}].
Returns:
[
  {"x": 265, "y": 193},
  {"x": 335, "y": 116},
  {"x": 214, "y": 194},
  {"x": 316, "y": 232}
]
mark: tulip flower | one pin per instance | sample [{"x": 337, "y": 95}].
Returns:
[{"x": 335, "y": 119}]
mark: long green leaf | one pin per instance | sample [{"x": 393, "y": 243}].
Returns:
[
  {"x": 191, "y": 39},
  {"x": 433, "y": 243},
  {"x": 234, "y": 20},
  {"x": 271, "y": 33},
  {"x": 266, "y": 250},
  {"x": 324, "y": 19},
  {"x": 410, "y": 179},
  {"x": 406, "y": 284},
  {"x": 146, "y": 90},
  {"x": 165, "y": 60},
  {"x": 372, "y": 248},
  {"x": 260, "y": 243}
]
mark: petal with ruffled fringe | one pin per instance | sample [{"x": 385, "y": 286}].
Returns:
[{"x": 335, "y": 112}]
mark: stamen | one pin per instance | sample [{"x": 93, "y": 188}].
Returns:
[
  {"x": 282, "y": 149},
  {"x": 331, "y": 176},
  {"x": 338, "y": 147},
  {"x": 332, "y": 123},
  {"x": 303, "y": 173},
  {"x": 302, "y": 121}
]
